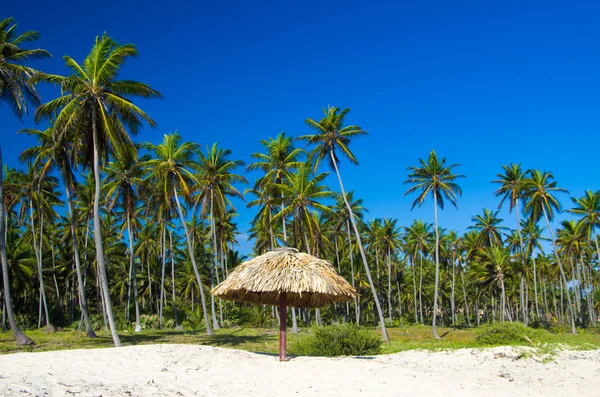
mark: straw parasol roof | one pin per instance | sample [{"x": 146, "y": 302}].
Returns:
[{"x": 306, "y": 281}]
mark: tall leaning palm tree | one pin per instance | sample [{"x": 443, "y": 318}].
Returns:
[
  {"x": 332, "y": 137},
  {"x": 540, "y": 188},
  {"x": 434, "y": 178},
  {"x": 171, "y": 172},
  {"x": 95, "y": 112},
  {"x": 17, "y": 88}
]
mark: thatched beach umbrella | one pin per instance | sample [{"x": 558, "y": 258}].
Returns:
[{"x": 285, "y": 277}]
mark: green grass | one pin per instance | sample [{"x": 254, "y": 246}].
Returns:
[{"x": 265, "y": 340}]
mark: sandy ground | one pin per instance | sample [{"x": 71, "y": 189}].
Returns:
[{"x": 187, "y": 370}]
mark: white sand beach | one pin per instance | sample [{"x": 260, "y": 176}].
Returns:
[{"x": 187, "y": 370}]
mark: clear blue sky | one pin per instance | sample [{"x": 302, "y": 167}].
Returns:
[{"x": 483, "y": 83}]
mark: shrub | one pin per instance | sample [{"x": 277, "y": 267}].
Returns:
[
  {"x": 149, "y": 321},
  {"x": 505, "y": 333},
  {"x": 194, "y": 320},
  {"x": 338, "y": 340}
]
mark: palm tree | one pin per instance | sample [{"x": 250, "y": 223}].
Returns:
[
  {"x": 572, "y": 240},
  {"x": 436, "y": 178},
  {"x": 539, "y": 189},
  {"x": 19, "y": 336},
  {"x": 95, "y": 111},
  {"x": 532, "y": 237},
  {"x": 125, "y": 176},
  {"x": 170, "y": 173},
  {"x": 303, "y": 192},
  {"x": 495, "y": 261},
  {"x": 39, "y": 197},
  {"x": 390, "y": 241},
  {"x": 511, "y": 189},
  {"x": 215, "y": 184},
  {"x": 280, "y": 158},
  {"x": 17, "y": 88},
  {"x": 357, "y": 210},
  {"x": 51, "y": 154},
  {"x": 331, "y": 137},
  {"x": 588, "y": 208},
  {"x": 417, "y": 240},
  {"x": 488, "y": 226},
  {"x": 17, "y": 81}
]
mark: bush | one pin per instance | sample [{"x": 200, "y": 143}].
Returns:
[
  {"x": 194, "y": 320},
  {"x": 505, "y": 333},
  {"x": 149, "y": 321},
  {"x": 338, "y": 340}
]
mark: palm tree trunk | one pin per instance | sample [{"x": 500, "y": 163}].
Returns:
[
  {"x": 546, "y": 310},
  {"x": 193, "y": 259},
  {"x": 213, "y": 234},
  {"x": 452, "y": 304},
  {"x": 173, "y": 276},
  {"x": 421, "y": 288},
  {"x": 576, "y": 289},
  {"x": 222, "y": 252},
  {"x": 337, "y": 255},
  {"x": 589, "y": 288},
  {"x": 412, "y": 265},
  {"x": 136, "y": 303},
  {"x": 294, "y": 321},
  {"x": 384, "y": 334},
  {"x": 80, "y": 287},
  {"x": 127, "y": 317},
  {"x": 147, "y": 261},
  {"x": 356, "y": 305},
  {"x": 54, "y": 275},
  {"x": 562, "y": 302},
  {"x": 477, "y": 317},
  {"x": 562, "y": 271},
  {"x": 101, "y": 300},
  {"x": 437, "y": 267},
  {"x": 98, "y": 236},
  {"x": 19, "y": 336},
  {"x": 523, "y": 300},
  {"x": 283, "y": 223},
  {"x": 535, "y": 293},
  {"x": 163, "y": 297},
  {"x": 399, "y": 295},
  {"x": 389, "y": 294},
  {"x": 596, "y": 242},
  {"x": 38, "y": 257},
  {"x": 522, "y": 252},
  {"x": 462, "y": 275},
  {"x": 503, "y": 303}
]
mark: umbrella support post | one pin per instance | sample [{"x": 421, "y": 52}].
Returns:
[{"x": 282, "y": 327}]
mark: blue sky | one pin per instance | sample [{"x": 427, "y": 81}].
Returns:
[{"x": 482, "y": 83}]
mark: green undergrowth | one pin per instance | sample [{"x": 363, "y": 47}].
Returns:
[
  {"x": 338, "y": 340},
  {"x": 265, "y": 340}
]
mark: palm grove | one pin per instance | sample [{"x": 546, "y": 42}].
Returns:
[{"x": 100, "y": 232}]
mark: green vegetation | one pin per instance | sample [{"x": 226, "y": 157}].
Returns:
[
  {"x": 265, "y": 340},
  {"x": 145, "y": 230},
  {"x": 506, "y": 334},
  {"x": 337, "y": 340}
]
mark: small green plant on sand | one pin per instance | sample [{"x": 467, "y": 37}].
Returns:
[
  {"x": 338, "y": 340},
  {"x": 505, "y": 334}
]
